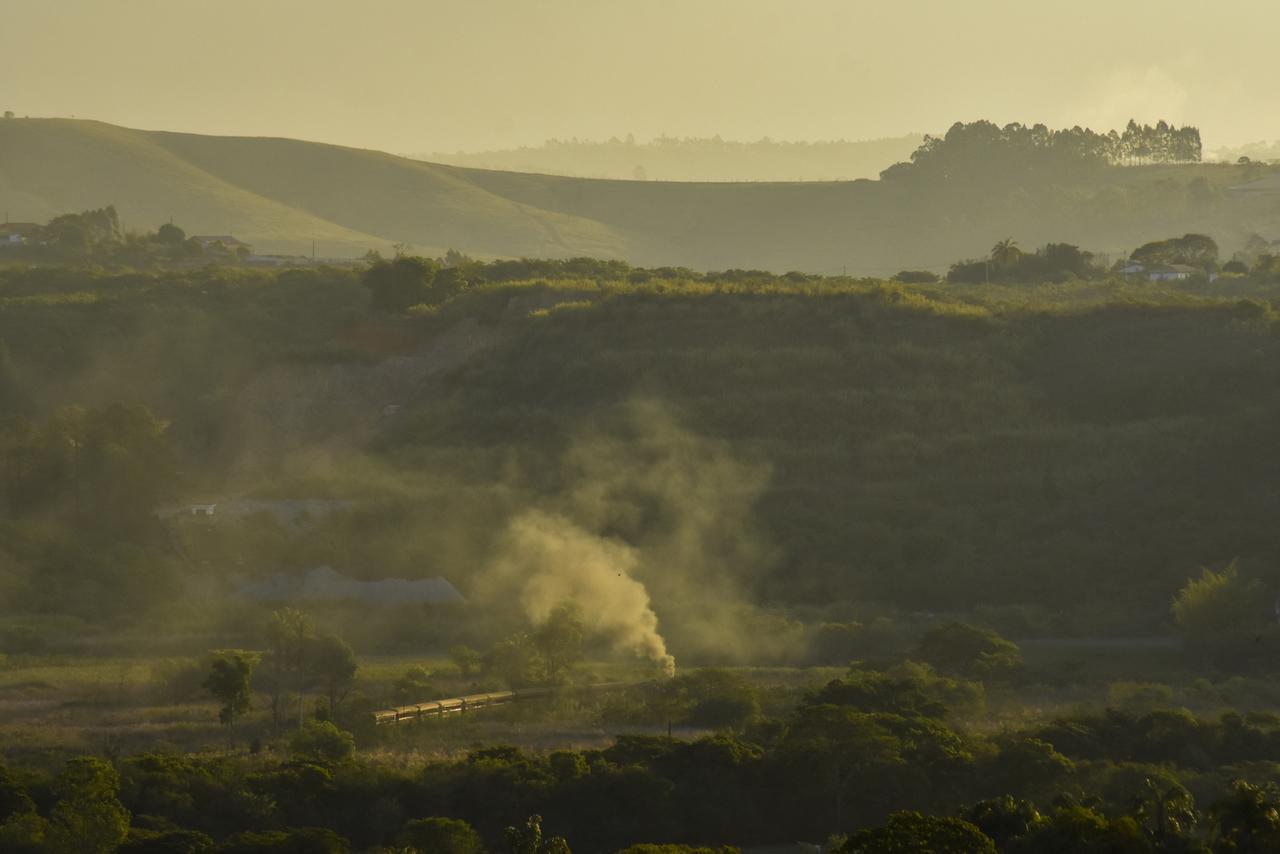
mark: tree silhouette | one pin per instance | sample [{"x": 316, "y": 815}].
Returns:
[{"x": 1005, "y": 253}]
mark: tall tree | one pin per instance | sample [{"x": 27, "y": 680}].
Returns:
[
  {"x": 333, "y": 666},
  {"x": 558, "y": 642},
  {"x": 1006, "y": 253},
  {"x": 230, "y": 682},
  {"x": 289, "y": 634}
]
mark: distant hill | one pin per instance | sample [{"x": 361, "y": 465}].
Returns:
[
  {"x": 1262, "y": 150},
  {"x": 695, "y": 159},
  {"x": 281, "y": 194}
]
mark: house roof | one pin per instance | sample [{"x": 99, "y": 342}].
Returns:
[{"x": 1139, "y": 267}]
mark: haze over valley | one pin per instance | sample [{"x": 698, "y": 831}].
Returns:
[{"x": 758, "y": 428}]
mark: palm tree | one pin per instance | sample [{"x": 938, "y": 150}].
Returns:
[
  {"x": 1166, "y": 811},
  {"x": 1248, "y": 819},
  {"x": 1005, "y": 253}
]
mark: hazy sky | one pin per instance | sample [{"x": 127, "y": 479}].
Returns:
[{"x": 430, "y": 75}]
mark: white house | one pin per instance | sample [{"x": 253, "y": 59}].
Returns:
[
  {"x": 18, "y": 233},
  {"x": 1171, "y": 272},
  {"x": 1159, "y": 272}
]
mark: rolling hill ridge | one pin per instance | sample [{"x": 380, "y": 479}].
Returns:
[{"x": 281, "y": 195}]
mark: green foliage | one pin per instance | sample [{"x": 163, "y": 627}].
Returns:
[
  {"x": 1166, "y": 812},
  {"x": 402, "y": 282},
  {"x": 170, "y": 234},
  {"x": 711, "y": 697},
  {"x": 440, "y": 836},
  {"x": 298, "y": 840},
  {"x": 910, "y": 689},
  {"x": 513, "y": 660},
  {"x": 22, "y": 829},
  {"x": 1247, "y": 820},
  {"x": 468, "y": 661},
  {"x": 1004, "y": 819},
  {"x": 963, "y": 650},
  {"x": 652, "y": 848},
  {"x": 913, "y": 833},
  {"x": 106, "y": 467},
  {"x": 1138, "y": 696},
  {"x": 916, "y": 277},
  {"x": 229, "y": 681},
  {"x": 1030, "y": 765},
  {"x": 981, "y": 152},
  {"x": 1053, "y": 262},
  {"x": 1077, "y": 828},
  {"x": 1193, "y": 250},
  {"x": 414, "y": 686},
  {"x": 321, "y": 742},
  {"x": 88, "y": 816},
  {"x": 1220, "y": 607},
  {"x": 557, "y": 642},
  {"x": 332, "y": 665},
  {"x": 166, "y": 842},
  {"x": 529, "y": 839},
  {"x": 290, "y": 637}
]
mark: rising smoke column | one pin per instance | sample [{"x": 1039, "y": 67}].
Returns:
[
  {"x": 651, "y": 524},
  {"x": 545, "y": 560}
]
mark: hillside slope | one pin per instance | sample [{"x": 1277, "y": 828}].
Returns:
[
  {"x": 283, "y": 194},
  {"x": 1069, "y": 453},
  {"x": 49, "y": 167}
]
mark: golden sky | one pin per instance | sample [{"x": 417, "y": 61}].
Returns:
[{"x": 436, "y": 75}]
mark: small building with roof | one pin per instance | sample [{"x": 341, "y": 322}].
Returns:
[
  {"x": 19, "y": 233},
  {"x": 221, "y": 243}
]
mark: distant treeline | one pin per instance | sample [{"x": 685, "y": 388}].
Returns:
[
  {"x": 873, "y": 762},
  {"x": 97, "y": 236},
  {"x": 694, "y": 158},
  {"x": 1015, "y": 150}
]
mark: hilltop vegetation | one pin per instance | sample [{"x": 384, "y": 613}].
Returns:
[
  {"x": 1076, "y": 451},
  {"x": 280, "y": 195}
]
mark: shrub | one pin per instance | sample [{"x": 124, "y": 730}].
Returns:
[
  {"x": 959, "y": 649},
  {"x": 910, "y": 832},
  {"x": 322, "y": 742},
  {"x": 440, "y": 836}
]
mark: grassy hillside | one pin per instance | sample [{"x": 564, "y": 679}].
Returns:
[
  {"x": 283, "y": 194},
  {"x": 50, "y": 167}
]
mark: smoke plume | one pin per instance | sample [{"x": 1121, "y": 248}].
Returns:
[
  {"x": 650, "y": 531},
  {"x": 547, "y": 560}
]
